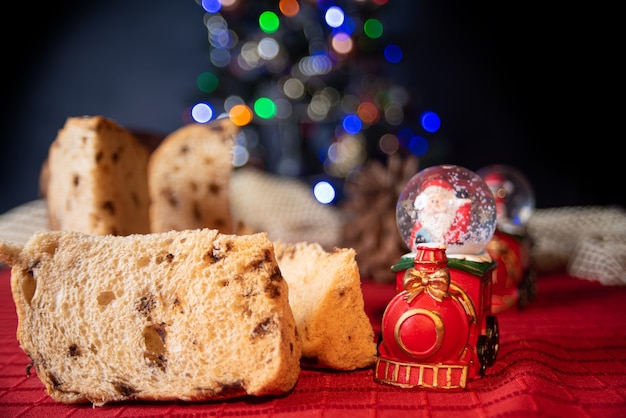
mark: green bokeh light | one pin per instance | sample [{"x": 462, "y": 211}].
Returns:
[
  {"x": 265, "y": 108},
  {"x": 268, "y": 22},
  {"x": 207, "y": 82},
  {"x": 373, "y": 28}
]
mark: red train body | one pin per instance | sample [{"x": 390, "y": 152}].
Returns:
[{"x": 514, "y": 283}]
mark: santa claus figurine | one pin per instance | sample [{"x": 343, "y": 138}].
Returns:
[
  {"x": 513, "y": 195},
  {"x": 442, "y": 216}
]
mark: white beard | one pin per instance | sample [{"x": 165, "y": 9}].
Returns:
[{"x": 438, "y": 224}]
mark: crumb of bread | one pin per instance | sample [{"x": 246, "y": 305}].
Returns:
[{"x": 327, "y": 301}]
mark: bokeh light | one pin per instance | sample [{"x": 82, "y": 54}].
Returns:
[
  {"x": 368, "y": 112},
  {"x": 324, "y": 192},
  {"x": 202, "y": 112},
  {"x": 388, "y": 144},
  {"x": 212, "y": 6},
  {"x": 268, "y": 48},
  {"x": 269, "y": 22},
  {"x": 207, "y": 82},
  {"x": 352, "y": 124},
  {"x": 430, "y": 121},
  {"x": 334, "y": 16},
  {"x": 342, "y": 43},
  {"x": 289, "y": 8},
  {"x": 293, "y": 88},
  {"x": 240, "y": 114},
  {"x": 315, "y": 65},
  {"x": 373, "y": 28},
  {"x": 418, "y": 145},
  {"x": 241, "y": 156},
  {"x": 347, "y": 152},
  {"x": 220, "y": 57},
  {"x": 248, "y": 58},
  {"x": 284, "y": 109},
  {"x": 394, "y": 114},
  {"x": 393, "y": 53},
  {"x": 265, "y": 108}
]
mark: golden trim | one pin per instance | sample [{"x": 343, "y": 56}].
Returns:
[
  {"x": 449, "y": 384},
  {"x": 467, "y": 303},
  {"x": 439, "y": 332}
]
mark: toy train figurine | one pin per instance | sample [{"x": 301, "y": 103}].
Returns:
[
  {"x": 438, "y": 332},
  {"x": 514, "y": 282}
]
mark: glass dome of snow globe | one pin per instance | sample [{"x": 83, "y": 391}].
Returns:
[
  {"x": 513, "y": 194},
  {"x": 447, "y": 204}
]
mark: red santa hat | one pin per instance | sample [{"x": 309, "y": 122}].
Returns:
[
  {"x": 436, "y": 181},
  {"x": 494, "y": 179},
  {"x": 421, "y": 200}
]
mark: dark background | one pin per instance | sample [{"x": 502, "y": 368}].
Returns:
[{"x": 533, "y": 86}]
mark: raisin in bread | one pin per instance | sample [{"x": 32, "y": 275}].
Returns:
[
  {"x": 327, "y": 301},
  {"x": 189, "y": 175},
  {"x": 191, "y": 315},
  {"x": 97, "y": 179}
]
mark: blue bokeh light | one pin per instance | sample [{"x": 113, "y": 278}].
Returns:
[
  {"x": 418, "y": 145},
  {"x": 430, "y": 121},
  {"x": 212, "y": 6},
  {"x": 393, "y": 53},
  {"x": 352, "y": 124}
]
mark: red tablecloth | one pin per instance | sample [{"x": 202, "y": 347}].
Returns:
[{"x": 564, "y": 355}]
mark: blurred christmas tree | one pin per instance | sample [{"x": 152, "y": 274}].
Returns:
[
  {"x": 317, "y": 88},
  {"x": 311, "y": 84}
]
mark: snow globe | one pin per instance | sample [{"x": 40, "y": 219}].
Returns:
[{"x": 514, "y": 283}]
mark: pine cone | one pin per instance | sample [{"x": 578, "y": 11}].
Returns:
[{"x": 370, "y": 208}]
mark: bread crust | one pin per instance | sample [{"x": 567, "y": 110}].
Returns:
[{"x": 190, "y": 315}]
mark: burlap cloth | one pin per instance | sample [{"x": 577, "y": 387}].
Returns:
[
  {"x": 588, "y": 242},
  {"x": 283, "y": 207}
]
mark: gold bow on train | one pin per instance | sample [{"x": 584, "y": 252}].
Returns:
[{"x": 435, "y": 283}]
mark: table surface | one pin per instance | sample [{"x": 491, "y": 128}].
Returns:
[{"x": 563, "y": 355}]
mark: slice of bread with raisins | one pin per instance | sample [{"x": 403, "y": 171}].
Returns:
[
  {"x": 96, "y": 179},
  {"x": 189, "y": 175},
  {"x": 327, "y": 301},
  {"x": 182, "y": 315}
]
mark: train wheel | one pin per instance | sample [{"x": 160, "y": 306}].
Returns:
[
  {"x": 493, "y": 339},
  {"x": 527, "y": 289},
  {"x": 482, "y": 350}
]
